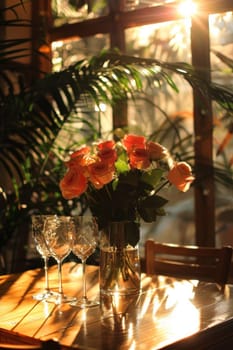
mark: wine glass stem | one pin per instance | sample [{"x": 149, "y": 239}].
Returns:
[
  {"x": 46, "y": 259},
  {"x": 84, "y": 280},
  {"x": 60, "y": 289}
]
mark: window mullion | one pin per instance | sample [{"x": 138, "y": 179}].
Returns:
[
  {"x": 203, "y": 129},
  {"x": 117, "y": 39}
]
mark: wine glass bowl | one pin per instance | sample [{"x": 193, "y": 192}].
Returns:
[
  {"x": 38, "y": 222},
  {"x": 83, "y": 247},
  {"x": 58, "y": 232},
  {"x": 38, "y": 235},
  {"x": 83, "y": 244},
  {"x": 84, "y": 251}
]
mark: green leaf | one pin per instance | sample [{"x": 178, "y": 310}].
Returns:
[
  {"x": 121, "y": 166},
  {"x": 152, "y": 177},
  {"x": 151, "y": 207}
]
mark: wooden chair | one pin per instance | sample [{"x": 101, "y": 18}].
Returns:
[{"x": 192, "y": 262}]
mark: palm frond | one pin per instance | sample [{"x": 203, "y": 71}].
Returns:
[
  {"x": 227, "y": 60},
  {"x": 219, "y": 93}
]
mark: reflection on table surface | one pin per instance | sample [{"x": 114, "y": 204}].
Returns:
[{"x": 166, "y": 311}]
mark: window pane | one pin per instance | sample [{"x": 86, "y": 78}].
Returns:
[
  {"x": 135, "y": 4},
  {"x": 68, "y": 52},
  {"x": 77, "y": 129},
  {"x": 69, "y": 11},
  {"x": 221, "y": 39},
  {"x": 169, "y": 42}
]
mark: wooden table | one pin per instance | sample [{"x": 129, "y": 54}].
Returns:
[{"x": 169, "y": 314}]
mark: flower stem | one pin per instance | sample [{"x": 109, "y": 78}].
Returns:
[{"x": 161, "y": 186}]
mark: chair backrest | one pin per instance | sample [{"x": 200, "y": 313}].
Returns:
[{"x": 209, "y": 264}]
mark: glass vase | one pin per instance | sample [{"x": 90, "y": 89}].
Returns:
[
  {"x": 120, "y": 275},
  {"x": 120, "y": 270}
]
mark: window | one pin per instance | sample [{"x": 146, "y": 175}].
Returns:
[{"x": 153, "y": 28}]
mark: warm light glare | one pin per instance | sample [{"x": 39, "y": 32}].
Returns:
[
  {"x": 84, "y": 315},
  {"x": 116, "y": 300},
  {"x": 130, "y": 330},
  {"x": 146, "y": 304},
  {"x": 187, "y": 8},
  {"x": 184, "y": 317},
  {"x": 179, "y": 292},
  {"x": 101, "y": 107},
  {"x": 57, "y": 44},
  {"x": 3, "y": 193},
  {"x": 179, "y": 325},
  {"x": 46, "y": 310}
]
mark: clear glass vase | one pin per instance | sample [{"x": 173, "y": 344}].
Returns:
[
  {"x": 120, "y": 275},
  {"x": 120, "y": 270}
]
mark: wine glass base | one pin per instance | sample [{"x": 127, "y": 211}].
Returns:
[
  {"x": 85, "y": 303},
  {"x": 61, "y": 299},
  {"x": 47, "y": 296}
]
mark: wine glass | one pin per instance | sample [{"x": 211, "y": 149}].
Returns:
[
  {"x": 58, "y": 231},
  {"x": 84, "y": 243},
  {"x": 41, "y": 246}
]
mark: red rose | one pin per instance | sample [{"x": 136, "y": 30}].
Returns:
[{"x": 181, "y": 176}]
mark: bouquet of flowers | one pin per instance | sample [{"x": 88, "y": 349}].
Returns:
[{"x": 121, "y": 179}]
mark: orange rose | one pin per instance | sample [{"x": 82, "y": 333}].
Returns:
[
  {"x": 133, "y": 141},
  {"x": 101, "y": 173},
  {"x": 139, "y": 159},
  {"x": 80, "y": 152},
  {"x": 156, "y": 151},
  {"x": 73, "y": 184},
  {"x": 181, "y": 176},
  {"x": 110, "y": 144},
  {"x": 77, "y": 158},
  {"x": 107, "y": 152}
]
